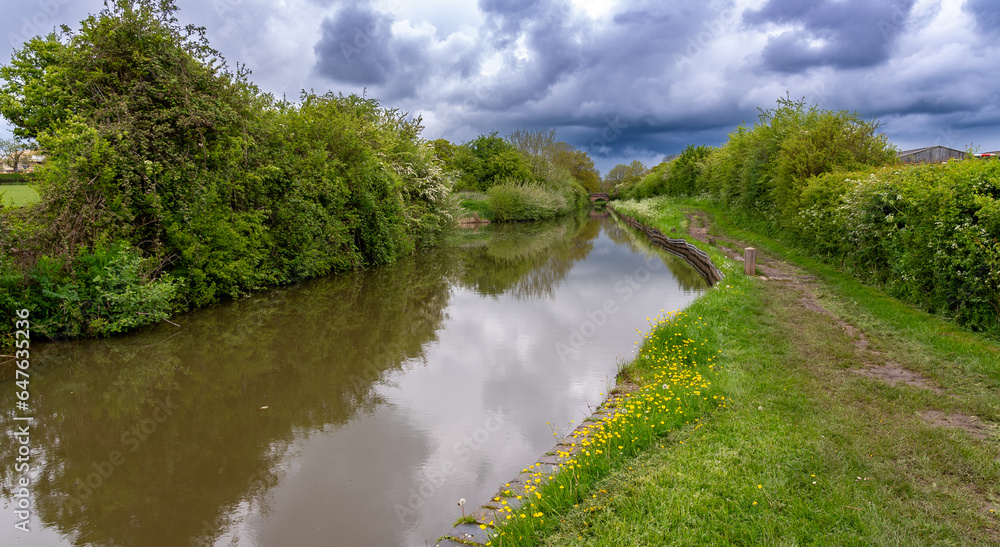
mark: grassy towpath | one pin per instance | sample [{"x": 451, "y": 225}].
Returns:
[{"x": 852, "y": 419}]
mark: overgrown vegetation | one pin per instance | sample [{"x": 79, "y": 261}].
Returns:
[
  {"x": 526, "y": 176},
  {"x": 486, "y": 161},
  {"x": 524, "y": 201},
  {"x": 928, "y": 234},
  {"x": 172, "y": 181},
  {"x": 829, "y": 183},
  {"x": 651, "y": 183}
]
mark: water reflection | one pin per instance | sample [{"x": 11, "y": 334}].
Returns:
[
  {"x": 687, "y": 277},
  {"x": 354, "y": 409},
  {"x": 309, "y": 353},
  {"x": 526, "y": 260}
]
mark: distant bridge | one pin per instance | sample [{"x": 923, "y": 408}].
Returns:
[{"x": 599, "y": 195}]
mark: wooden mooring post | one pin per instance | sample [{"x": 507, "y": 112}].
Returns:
[{"x": 750, "y": 261}]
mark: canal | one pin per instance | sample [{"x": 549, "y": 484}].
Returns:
[{"x": 351, "y": 410}]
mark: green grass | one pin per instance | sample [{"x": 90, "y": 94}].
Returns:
[
  {"x": 806, "y": 451},
  {"x": 657, "y": 212},
  {"x": 474, "y": 203},
  {"x": 675, "y": 374},
  {"x": 17, "y": 195}
]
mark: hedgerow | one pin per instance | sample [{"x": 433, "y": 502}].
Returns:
[
  {"x": 830, "y": 183},
  {"x": 172, "y": 182}
]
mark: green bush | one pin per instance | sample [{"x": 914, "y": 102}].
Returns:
[
  {"x": 763, "y": 169},
  {"x": 682, "y": 177},
  {"x": 111, "y": 290},
  {"x": 928, "y": 233},
  {"x": 677, "y": 177},
  {"x": 653, "y": 184},
  {"x": 512, "y": 201},
  {"x": 171, "y": 182},
  {"x": 936, "y": 230}
]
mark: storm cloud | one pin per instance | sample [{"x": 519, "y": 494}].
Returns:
[
  {"x": 838, "y": 33},
  {"x": 357, "y": 47},
  {"x": 622, "y": 80}
]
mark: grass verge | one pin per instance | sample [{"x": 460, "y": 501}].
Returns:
[
  {"x": 811, "y": 445},
  {"x": 670, "y": 385}
]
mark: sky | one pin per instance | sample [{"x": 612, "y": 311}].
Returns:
[{"x": 622, "y": 80}]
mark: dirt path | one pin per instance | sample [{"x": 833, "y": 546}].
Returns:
[{"x": 873, "y": 363}]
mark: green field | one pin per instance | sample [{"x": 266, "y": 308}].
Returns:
[{"x": 17, "y": 195}]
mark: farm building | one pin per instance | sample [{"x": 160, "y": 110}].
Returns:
[
  {"x": 27, "y": 163},
  {"x": 935, "y": 154}
]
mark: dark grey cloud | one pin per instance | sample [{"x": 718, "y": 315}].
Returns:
[
  {"x": 356, "y": 46},
  {"x": 506, "y": 19},
  {"x": 641, "y": 80},
  {"x": 553, "y": 52},
  {"x": 986, "y": 14},
  {"x": 844, "y": 34},
  {"x": 603, "y": 84}
]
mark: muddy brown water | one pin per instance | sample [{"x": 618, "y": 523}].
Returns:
[{"x": 351, "y": 410}]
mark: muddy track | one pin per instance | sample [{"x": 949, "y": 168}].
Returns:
[{"x": 874, "y": 364}]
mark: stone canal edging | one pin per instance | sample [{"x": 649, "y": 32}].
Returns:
[
  {"x": 697, "y": 258},
  {"x": 514, "y": 493}
]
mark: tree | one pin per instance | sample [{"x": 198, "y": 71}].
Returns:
[
  {"x": 551, "y": 159},
  {"x": 579, "y": 165},
  {"x": 445, "y": 151},
  {"x": 167, "y": 173},
  {"x": 36, "y": 93},
  {"x": 538, "y": 146},
  {"x": 11, "y": 151},
  {"x": 625, "y": 175},
  {"x": 147, "y": 138},
  {"x": 488, "y": 160},
  {"x": 685, "y": 171}
]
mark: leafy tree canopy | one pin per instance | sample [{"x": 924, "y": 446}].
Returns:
[
  {"x": 182, "y": 177},
  {"x": 548, "y": 157},
  {"x": 488, "y": 160},
  {"x": 624, "y": 175}
]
